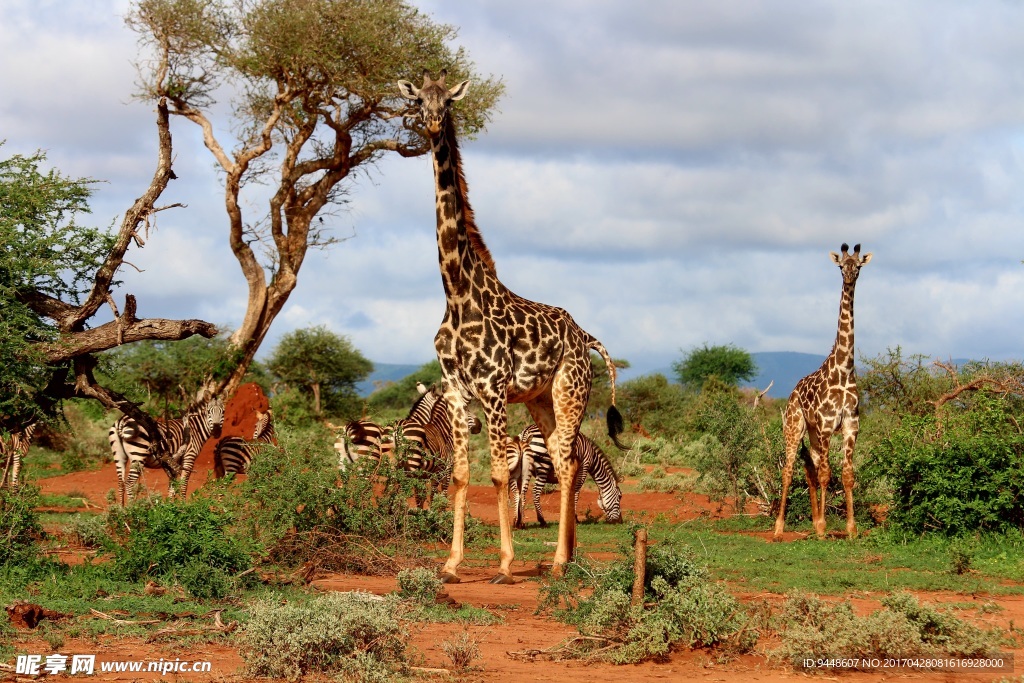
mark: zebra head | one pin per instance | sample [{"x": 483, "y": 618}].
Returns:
[
  {"x": 213, "y": 415},
  {"x": 609, "y": 502},
  {"x": 264, "y": 426}
]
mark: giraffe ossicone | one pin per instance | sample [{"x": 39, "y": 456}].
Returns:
[
  {"x": 823, "y": 403},
  {"x": 498, "y": 347}
]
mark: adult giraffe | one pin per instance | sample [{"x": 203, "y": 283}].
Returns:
[
  {"x": 498, "y": 347},
  {"x": 822, "y": 403}
]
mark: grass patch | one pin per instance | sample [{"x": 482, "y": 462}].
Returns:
[{"x": 879, "y": 562}]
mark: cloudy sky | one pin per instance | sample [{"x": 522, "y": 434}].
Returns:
[{"x": 672, "y": 173}]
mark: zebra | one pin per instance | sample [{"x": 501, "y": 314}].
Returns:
[
  {"x": 233, "y": 454},
  {"x": 528, "y": 457},
  {"x": 360, "y": 439},
  {"x": 183, "y": 437},
  {"x": 14, "y": 451},
  {"x": 430, "y": 448}
]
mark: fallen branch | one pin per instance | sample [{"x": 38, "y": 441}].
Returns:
[
  {"x": 429, "y": 670},
  {"x": 565, "y": 650},
  {"x": 120, "y": 622}
]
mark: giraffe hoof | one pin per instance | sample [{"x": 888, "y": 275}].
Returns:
[
  {"x": 502, "y": 580},
  {"x": 448, "y": 577}
]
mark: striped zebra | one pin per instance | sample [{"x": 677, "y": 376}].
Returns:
[
  {"x": 233, "y": 453},
  {"x": 183, "y": 438},
  {"x": 360, "y": 439},
  {"x": 365, "y": 438},
  {"x": 429, "y": 444},
  {"x": 13, "y": 451},
  {"x": 528, "y": 458}
]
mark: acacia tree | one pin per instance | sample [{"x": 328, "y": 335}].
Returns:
[
  {"x": 314, "y": 100},
  {"x": 321, "y": 362},
  {"x": 727, "y": 362},
  {"x": 54, "y": 277}
]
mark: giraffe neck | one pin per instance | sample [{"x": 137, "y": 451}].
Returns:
[
  {"x": 842, "y": 350},
  {"x": 461, "y": 251}
]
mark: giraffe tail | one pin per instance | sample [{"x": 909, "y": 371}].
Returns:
[{"x": 616, "y": 425}]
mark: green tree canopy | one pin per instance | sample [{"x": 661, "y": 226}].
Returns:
[
  {"x": 727, "y": 362},
  {"x": 41, "y": 249},
  {"x": 54, "y": 276},
  {"x": 322, "y": 363}
]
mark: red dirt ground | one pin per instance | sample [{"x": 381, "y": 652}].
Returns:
[{"x": 522, "y": 629}]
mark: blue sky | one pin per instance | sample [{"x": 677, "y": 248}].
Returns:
[{"x": 672, "y": 173}]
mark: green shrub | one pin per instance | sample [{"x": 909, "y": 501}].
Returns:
[
  {"x": 88, "y": 530},
  {"x": 812, "y": 629},
  {"x": 19, "y": 524},
  {"x": 296, "y": 503},
  {"x": 192, "y": 542},
  {"x": 356, "y": 635},
  {"x": 660, "y": 406},
  {"x": 419, "y": 585},
  {"x": 961, "y": 474},
  {"x": 681, "y": 608}
]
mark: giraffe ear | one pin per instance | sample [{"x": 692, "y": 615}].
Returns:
[
  {"x": 408, "y": 90},
  {"x": 836, "y": 258},
  {"x": 459, "y": 91},
  {"x": 865, "y": 258}
]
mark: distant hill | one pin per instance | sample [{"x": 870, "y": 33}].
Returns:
[
  {"x": 383, "y": 373},
  {"x": 786, "y": 368}
]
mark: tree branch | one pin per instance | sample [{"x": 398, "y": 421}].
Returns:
[
  {"x": 117, "y": 332},
  {"x": 133, "y": 217}
]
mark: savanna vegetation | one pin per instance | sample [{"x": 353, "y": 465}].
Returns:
[
  {"x": 247, "y": 549},
  {"x": 939, "y": 461}
]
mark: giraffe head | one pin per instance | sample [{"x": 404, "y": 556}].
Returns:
[
  {"x": 849, "y": 263},
  {"x": 434, "y": 98}
]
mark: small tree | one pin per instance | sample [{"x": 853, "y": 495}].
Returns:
[
  {"x": 728, "y": 363},
  {"x": 164, "y": 375},
  {"x": 321, "y": 362}
]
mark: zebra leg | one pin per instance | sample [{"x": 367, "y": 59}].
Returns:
[
  {"x": 132, "y": 481},
  {"x": 538, "y": 488}
]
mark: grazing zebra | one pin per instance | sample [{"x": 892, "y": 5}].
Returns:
[
  {"x": 14, "y": 451},
  {"x": 233, "y": 453},
  {"x": 430, "y": 446},
  {"x": 528, "y": 457},
  {"x": 360, "y": 439},
  {"x": 183, "y": 437}
]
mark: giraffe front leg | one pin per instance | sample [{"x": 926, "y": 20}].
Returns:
[
  {"x": 850, "y": 429},
  {"x": 497, "y": 437},
  {"x": 459, "y": 483}
]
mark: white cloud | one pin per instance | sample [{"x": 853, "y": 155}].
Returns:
[{"x": 670, "y": 172}]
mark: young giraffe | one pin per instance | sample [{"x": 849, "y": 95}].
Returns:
[
  {"x": 499, "y": 347},
  {"x": 820, "y": 404}
]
